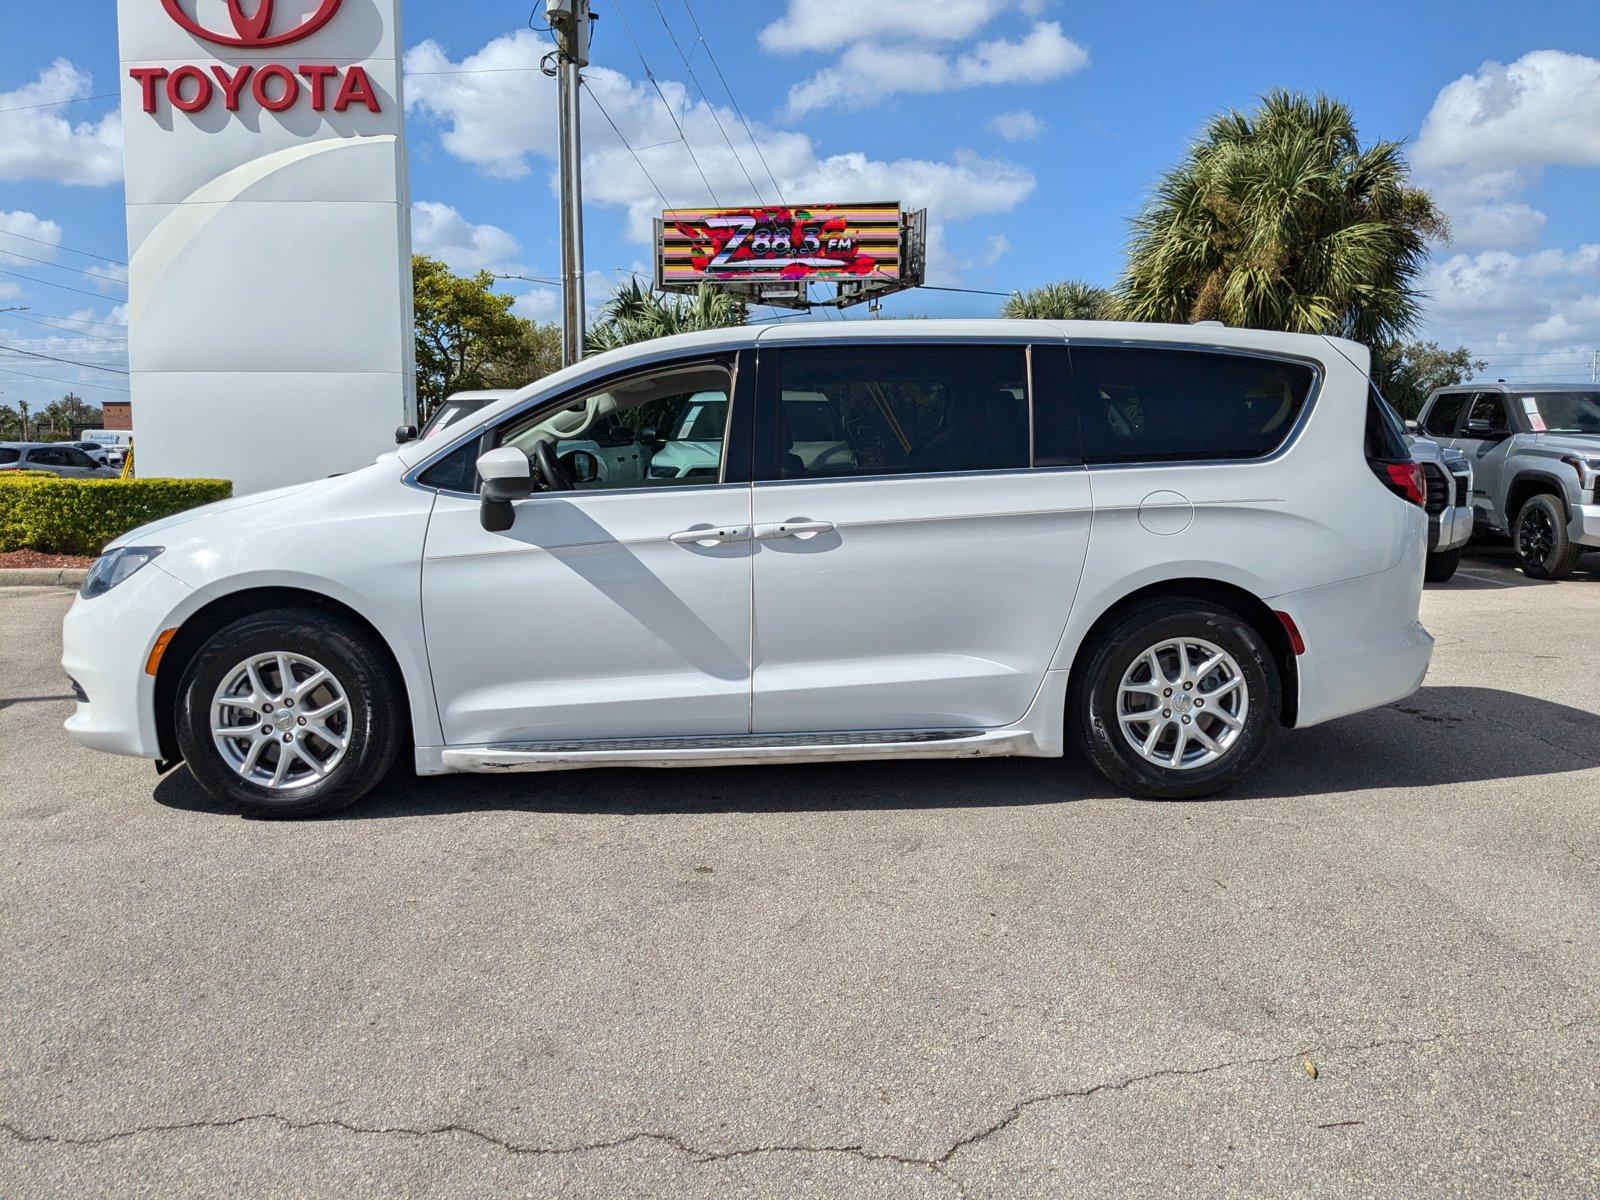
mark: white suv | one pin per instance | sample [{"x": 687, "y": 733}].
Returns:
[{"x": 1158, "y": 542}]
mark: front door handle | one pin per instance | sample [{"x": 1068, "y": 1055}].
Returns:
[
  {"x": 710, "y": 536},
  {"x": 787, "y": 529}
]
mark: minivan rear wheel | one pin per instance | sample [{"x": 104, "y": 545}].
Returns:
[
  {"x": 1177, "y": 699},
  {"x": 289, "y": 713}
]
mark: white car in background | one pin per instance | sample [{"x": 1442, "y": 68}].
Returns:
[{"x": 1157, "y": 543}]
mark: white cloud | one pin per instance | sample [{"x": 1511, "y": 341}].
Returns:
[
  {"x": 870, "y": 70},
  {"x": 820, "y": 25},
  {"x": 1499, "y": 301},
  {"x": 1540, "y": 110},
  {"x": 443, "y": 233},
  {"x": 43, "y": 143},
  {"x": 1018, "y": 125},
  {"x": 37, "y": 237},
  {"x": 505, "y": 121}
]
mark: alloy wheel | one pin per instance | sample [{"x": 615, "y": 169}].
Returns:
[
  {"x": 1183, "y": 704},
  {"x": 280, "y": 720}
]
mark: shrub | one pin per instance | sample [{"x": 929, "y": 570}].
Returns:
[{"x": 79, "y": 516}]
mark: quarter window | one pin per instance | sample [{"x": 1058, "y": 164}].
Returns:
[
  {"x": 898, "y": 410},
  {"x": 1155, "y": 405},
  {"x": 1445, "y": 414}
]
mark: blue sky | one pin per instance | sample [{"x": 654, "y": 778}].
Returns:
[{"x": 1032, "y": 130}]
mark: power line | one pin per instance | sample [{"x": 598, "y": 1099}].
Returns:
[
  {"x": 665, "y": 203},
  {"x": 64, "y": 329},
  {"x": 666, "y": 104},
  {"x": 711, "y": 108},
  {"x": 69, "y": 362},
  {"x": 59, "y": 103},
  {"x": 116, "y": 262},
  {"x": 738, "y": 112},
  {"x": 45, "y": 262},
  {"x": 48, "y": 283},
  {"x": 81, "y": 320},
  {"x": 72, "y": 383}
]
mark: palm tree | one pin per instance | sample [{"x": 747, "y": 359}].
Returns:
[
  {"x": 1278, "y": 219},
  {"x": 636, "y": 313},
  {"x": 1070, "y": 300}
]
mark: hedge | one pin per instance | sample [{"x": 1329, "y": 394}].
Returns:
[{"x": 79, "y": 516}]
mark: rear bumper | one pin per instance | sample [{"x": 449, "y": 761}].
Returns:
[
  {"x": 1450, "y": 530},
  {"x": 1365, "y": 646},
  {"x": 1584, "y": 527},
  {"x": 106, "y": 643}
]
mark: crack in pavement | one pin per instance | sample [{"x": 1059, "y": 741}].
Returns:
[{"x": 937, "y": 1164}]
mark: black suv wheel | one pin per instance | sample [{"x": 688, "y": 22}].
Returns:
[
  {"x": 1540, "y": 536},
  {"x": 1178, "y": 699}
]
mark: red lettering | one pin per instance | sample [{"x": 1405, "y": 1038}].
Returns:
[
  {"x": 148, "y": 78},
  {"x": 232, "y": 85},
  {"x": 203, "y": 90},
  {"x": 318, "y": 77},
  {"x": 286, "y": 99},
  {"x": 357, "y": 89}
]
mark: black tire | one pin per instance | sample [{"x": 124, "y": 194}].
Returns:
[
  {"x": 1092, "y": 700},
  {"x": 373, "y": 728},
  {"x": 1442, "y": 566},
  {"x": 1540, "y": 536}
]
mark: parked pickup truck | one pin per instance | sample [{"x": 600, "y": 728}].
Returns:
[
  {"x": 1535, "y": 455},
  {"x": 1448, "y": 475}
]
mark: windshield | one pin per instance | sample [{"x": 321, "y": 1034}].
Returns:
[
  {"x": 448, "y": 414},
  {"x": 1563, "y": 412}
]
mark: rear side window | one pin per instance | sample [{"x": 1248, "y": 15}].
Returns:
[
  {"x": 8, "y": 455},
  {"x": 896, "y": 410},
  {"x": 1445, "y": 414},
  {"x": 1157, "y": 405},
  {"x": 1386, "y": 436}
]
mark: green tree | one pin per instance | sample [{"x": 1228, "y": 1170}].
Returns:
[
  {"x": 1279, "y": 219},
  {"x": 535, "y": 354},
  {"x": 1070, "y": 300},
  {"x": 637, "y": 313},
  {"x": 464, "y": 329},
  {"x": 1408, "y": 372},
  {"x": 70, "y": 413},
  {"x": 10, "y": 424}
]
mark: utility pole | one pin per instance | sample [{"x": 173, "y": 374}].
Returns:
[{"x": 569, "y": 21}]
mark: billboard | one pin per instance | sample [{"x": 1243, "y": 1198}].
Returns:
[{"x": 816, "y": 243}]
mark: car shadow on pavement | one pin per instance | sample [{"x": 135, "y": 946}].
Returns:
[
  {"x": 1492, "y": 566},
  {"x": 1438, "y": 737}
]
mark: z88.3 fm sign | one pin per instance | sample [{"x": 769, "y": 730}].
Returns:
[
  {"x": 242, "y": 27},
  {"x": 818, "y": 242}
]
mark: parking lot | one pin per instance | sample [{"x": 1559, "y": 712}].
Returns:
[{"x": 1374, "y": 970}]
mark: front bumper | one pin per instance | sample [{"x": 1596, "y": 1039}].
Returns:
[
  {"x": 106, "y": 643},
  {"x": 1450, "y": 530},
  {"x": 1584, "y": 527}
]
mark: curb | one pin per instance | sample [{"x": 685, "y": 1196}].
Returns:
[{"x": 42, "y": 576}]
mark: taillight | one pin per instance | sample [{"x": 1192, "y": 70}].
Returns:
[{"x": 1404, "y": 479}]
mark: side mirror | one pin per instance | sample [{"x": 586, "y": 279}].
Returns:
[
  {"x": 1484, "y": 430},
  {"x": 507, "y": 475},
  {"x": 1412, "y": 426},
  {"x": 404, "y": 434}
]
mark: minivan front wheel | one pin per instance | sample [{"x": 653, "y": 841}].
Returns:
[
  {"x": 289, "y": 713},
  {"x": 1177, "y": 700}
]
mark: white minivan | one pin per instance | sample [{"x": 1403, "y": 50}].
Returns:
[{"x": 1158, "y": 543}]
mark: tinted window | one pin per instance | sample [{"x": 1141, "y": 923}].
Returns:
[
  {"x": 77, "y": 458},
  {"x": 901, "y": 409},
  {"x": 1055, "y": 409},
  {"x": 667, "y": 428},
  {"x": 49, "y": 458},
  {"x": 1386, "y": 434},
  {"x": 1488, "y": 407},
  {"x": 1150, "y": 405},
  {"x": 8, "y": 455},
  {"x": 1445, "y": 413}
]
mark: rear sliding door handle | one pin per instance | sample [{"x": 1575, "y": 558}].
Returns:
[
  {"x": 787, "y": 529},
  {"x": 710, "y": 536}
]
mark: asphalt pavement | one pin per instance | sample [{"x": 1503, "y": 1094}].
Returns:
[{"x": 1375, "y": 970}]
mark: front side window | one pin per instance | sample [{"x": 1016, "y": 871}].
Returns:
[
  {"x": 1160, "y": 405},
  {"x": 1564, "y": 412},
  {"x": 48, "y": 458},
  {"x": 1486, "y": 416},
  {"x": 9, "y": 455},
  {"x": 667, "y": 428},
  {"x": 898, "y": 410},
  {"x": 1445, "y": 414}
]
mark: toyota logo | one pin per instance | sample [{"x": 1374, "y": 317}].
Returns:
[{"x": 253, "y": 32}]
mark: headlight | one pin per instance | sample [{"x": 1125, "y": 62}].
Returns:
[
  {"x": 1588, "y": 469},
  {"x": 114, "y": 566}
]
